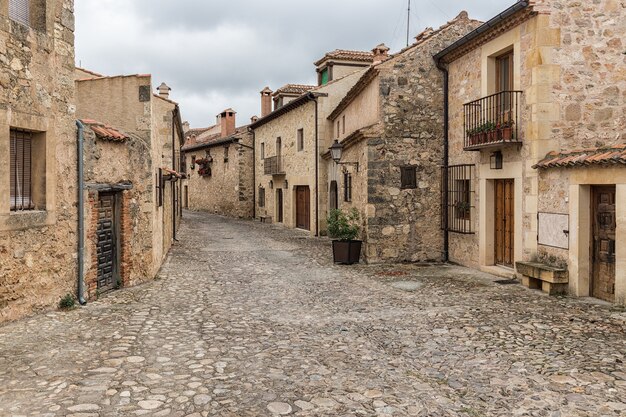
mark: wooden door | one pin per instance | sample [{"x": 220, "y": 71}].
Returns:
[
  {"x": 279, "y": 205},
  {"x": 106, "y": 246},
  {"x": 334, "y": 195},
  {"x": 603, "y": 243},
  {"x": 504, "y": 222},
  {"x": 303, "y": 208}
]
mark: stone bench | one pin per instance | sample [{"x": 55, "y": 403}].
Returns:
[
  {"x": 549, "y": 279},
  {"x": 265, "y": 219}
]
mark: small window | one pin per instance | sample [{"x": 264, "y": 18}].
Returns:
[
  {"x": 337, "y": 128},
  {"x": 262, "y": 150},
  {"x": 19, "y": 11},
  {"x": 347, "y": 187},
  {"x": 279, "y": 146},
  {"x": 225, "y": 153},
  {"x": 462, "y": 203},
  {"x": 300, "y": 140},
  {"x": 21, "y": 170},
  {"x": 343, "y": 122},
  {"x": 193, "y": 162},
  {"x": 408, "y": 177},
  {"x": 457, "y": 216},
  {"x": 261, "y": 197},
  {"x": 324, "y": 78}
]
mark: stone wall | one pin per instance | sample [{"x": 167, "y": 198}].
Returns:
[
  {"x": 229, "y": 189},
  {"x": 37, "y": 248}
]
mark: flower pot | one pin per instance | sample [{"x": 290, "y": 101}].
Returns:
[
  {"x": 346, "y": 252},
  {"x": 507, "y": 133},
  {"x": 491, "y": 136}
]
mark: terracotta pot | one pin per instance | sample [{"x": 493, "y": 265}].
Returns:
[
  {"x": 506, "y": 133},
  {"x": 347, "y": 252}
]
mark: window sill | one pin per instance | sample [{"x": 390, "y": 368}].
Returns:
[{"x": 24, "y": 220}]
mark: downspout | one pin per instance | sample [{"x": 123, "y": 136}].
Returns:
[
  {"x": 446, "y": 162},
  {"x": 317, "y": 178},
  {"x": 174, "y": 208},
  {"x": 81, "y": 216},
  {"x": 253, "y": 174}
]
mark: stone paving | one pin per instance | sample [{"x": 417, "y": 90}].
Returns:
[{"x": 249, "y": 319}]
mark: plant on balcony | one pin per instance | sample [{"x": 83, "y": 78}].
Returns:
[
  {"x": 345, "y": 227},
  {"x": 204, "y": 167},
  {"x": 505, "y": 130},
  {"x": 462, "y": 208}
]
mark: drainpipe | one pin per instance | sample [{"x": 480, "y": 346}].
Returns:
[
  {"x": 253, "y": 174},
  {"x": 317, "y": 179},
  {"x": 174, "y": 208},
  {"x": 446, "y": 162},
  {"x": 81, "y": 216}
]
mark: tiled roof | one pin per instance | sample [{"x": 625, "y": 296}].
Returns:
[
  {"x": 294, "y": 89},
  {"x": 344, "y": 54},
  {"x": 105, "y": 132},
  {"x": 610, "y": 155},
  {"x": 199, "y": 142},
  {"x": 197, "y": 131}
]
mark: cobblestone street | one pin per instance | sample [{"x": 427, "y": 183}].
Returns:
[{"x": 248, "y": 319}]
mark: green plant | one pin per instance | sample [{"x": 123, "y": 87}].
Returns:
[
  {"x": 67, "y": 302},
  {"x": 344, "y": 226}
]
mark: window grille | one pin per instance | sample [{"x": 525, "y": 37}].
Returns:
[
  {"x": 408, "y": 177},
  {"x": 19, "y": 11},
  {"x": 21, "y": 170},
  {"x": 261, "y": 197},
  {"x": 458, "y": 215},
  {"x": 347, "y": 187}
]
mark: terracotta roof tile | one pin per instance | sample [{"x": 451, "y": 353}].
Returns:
[
  {"x": 344, "y": 54},
  {"x": 199, "y": 141},
  {"x": 105, "y": 132},
  {"x": 294, "y": 89},
  {"x": 608, "y": 155}
]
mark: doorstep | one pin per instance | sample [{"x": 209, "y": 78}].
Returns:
[{"x": 499, "y": 271}]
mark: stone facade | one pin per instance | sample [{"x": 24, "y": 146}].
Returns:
[
  {"x": 229, "y": 190},
  {"x": 568, "y": 63},
  {"x": 299, "y": 168},
  {"x": 130, "y": 168},
  {"x": 393, "y": 120},
  {"x": 37, "y": 247}
]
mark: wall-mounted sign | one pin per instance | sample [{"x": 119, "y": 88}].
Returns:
[{"x": 553, "y": 230}]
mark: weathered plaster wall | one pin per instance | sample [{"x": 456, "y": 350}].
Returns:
[{"x": 38, "y": 248}]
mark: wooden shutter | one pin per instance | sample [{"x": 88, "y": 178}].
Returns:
[
  {"x": 20, "y": 171},
  {"x": 19, "y": 10}
]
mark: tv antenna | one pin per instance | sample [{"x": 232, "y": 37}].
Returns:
[{"x": 408, "y": 22}]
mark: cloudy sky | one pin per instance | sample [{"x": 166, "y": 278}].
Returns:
[{"x": 220, "y": 54}]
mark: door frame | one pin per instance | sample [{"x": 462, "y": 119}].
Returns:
[
  {"x": 307, "y": 210},
  {"x": 511, "y": 215},
  {"x": 595, "y": 190}
]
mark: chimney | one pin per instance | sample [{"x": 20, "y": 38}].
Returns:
[
  {"x": 253, "y": 119},
  {"x": 185, "y": 126},
  {"x": 266, "y": 101},
  {"x": 164, "y": 91},
  {"x": 227, "y": 122},
  {"x": 381, "y": 53}
]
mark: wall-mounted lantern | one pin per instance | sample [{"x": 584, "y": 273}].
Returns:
[
  {"x": 495, "y": 160},
  {"x": 336, "y": 152}
]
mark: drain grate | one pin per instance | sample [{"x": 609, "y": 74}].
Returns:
[{"x": 506, "y": 281}]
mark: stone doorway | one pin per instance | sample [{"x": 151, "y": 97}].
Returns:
[
  {"x": 107, "y": 242},
  {"x": 504, "y": 222},
  {"x": 303, "y": 207}
]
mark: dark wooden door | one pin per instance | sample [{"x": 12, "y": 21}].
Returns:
[
  {"x": 603, "y": 243},
  {"x": 279, "y": 205},
  {"x": 303, "y": 208},
  {"x": 106, "y": 243},
  {"x": 334, "y": 195},
  {"x": 504, "y": 222}
]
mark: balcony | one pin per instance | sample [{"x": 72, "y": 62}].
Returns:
[
  {"x": 492, "y": 121},
  {"x": 274, "y": 165}
]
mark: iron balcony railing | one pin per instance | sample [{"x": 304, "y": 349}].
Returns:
[
  {"x": 274, "y": 165},
  {"x": 492, "y": 120}
]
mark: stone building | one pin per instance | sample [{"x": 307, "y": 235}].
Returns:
[
  {"x": 536, "y": 137},
  {"x": 390, "y": 125},
  {"x": 219, "y": 163},
  {"x": 38, "y": 217},
  {"x": 290, "y": 178},
  {"x": 132, "y": 141}
]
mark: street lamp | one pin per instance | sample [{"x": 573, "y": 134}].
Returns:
[{"x": 336, "y": 151}]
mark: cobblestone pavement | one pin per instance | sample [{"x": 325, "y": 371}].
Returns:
[{"x": 248, "y": 319}]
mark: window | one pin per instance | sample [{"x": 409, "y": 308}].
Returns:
[
  {"x": 300, "y": 141},
  {"x": 343, "y": 122},
  {"x": 460, "y": 198},
  {"x": 193, "y": 162},
  {"x": 324, "y": 76},
  {"x": 19, "y": 11},
  {"x": 337, "y": 129},
  {"x": 278, "y": 146},
  {"x": 225, "y": 153},
  {"x": 347, "y": 187},
  {"x": 21, "y": 170},
  {"x": 262, "y": 150},
  {"x": 261, "y": 197},
  {"x": 408, "y": 177}
]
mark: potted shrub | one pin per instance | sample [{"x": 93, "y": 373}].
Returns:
[
  {"x": 344, "y": 228},
  {"x": 490, "y": 132},
  {"x": 506, "y": 130}
]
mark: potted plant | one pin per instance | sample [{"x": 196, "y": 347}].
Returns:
[
  {"x": 490, "y": 132},
  {"x": 506, "y": 130},
  {"x": 462, "y": 209},
  {"x": 344, "y": 228}
]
